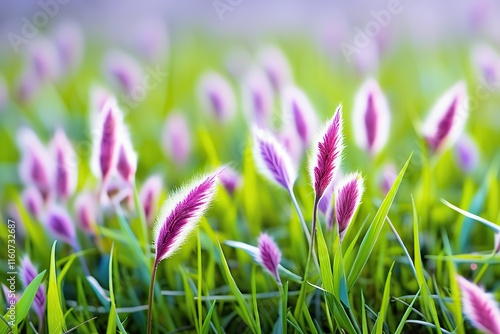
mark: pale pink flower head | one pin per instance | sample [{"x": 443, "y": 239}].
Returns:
[
  {"x": 177, "y": 138},
  {"x": 180, "y": 214},
  {"x": 69, "y": 41},
  {"x": 216, "y": 96},
  {"x": 276, "y": 66},
  {"x": 486, "y": 61},
  {"x": 327, "y": 154},
  {"x": 98, "y": 96},
  {"x": 66, "y": 165},
  {"x": 230, "y": 179},
  {"x": 33, "y": 201},
  {"x": 42, "y": 59},
  {"x": 446, "y": 120},
  {"x": 269, "y": 256},
  {"x": 36, "y": 167},
  {"x": 126, "y": 164},
  {"x": 371, "y": 117},
  {"x": 348, "y": 195},
  {"x": 27, "y": 273},
  {"x": 60, "y": 225},
  {"x": 151, "y": 39},
  {"x": 466, "y": 153},
  {"x": 272, "y": 160},
  {"x": 149, "y": 196},
  {"x": 292, "y": 143},
  {"x": 85, "y": 209},
  {"x": 479, "y": 307},
  {"x": 123, "y": 70},
  {"x": 257, "y": 97},
  {"x": 299, "y": 113},
  {"x": 4, "y": 94},
  {"x": 389, "y": 175}
]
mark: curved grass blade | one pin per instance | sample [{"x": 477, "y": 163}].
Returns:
[{"x": 55, "y": 314}]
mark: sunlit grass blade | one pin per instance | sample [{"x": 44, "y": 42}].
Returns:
[
  {"x": 487, "y": 223},
  {"x": 399, "y": 330},
  {"x": 206, "y": 323},
  {"x": 55, "y": 316},
  {"x": 379, "y": 325}
]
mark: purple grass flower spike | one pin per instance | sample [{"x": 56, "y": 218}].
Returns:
[
  {"x": 33, "y": 201},
  {"x": 85, "y": 210},
  {"x": 298, "y": 109},
  {"x": 269, "y": 256},
  {"x": 258, "y": 98},
  {"x": 230, "y": 179},
  {"x": 66, "y": 168},
  {"x": 176, "y": 138},
  {"x": 466, "y": 153},
  {"x": 27, "y": 273},
  {"x": 347, "y": 199},
  {"x": 124, "y": 70},
  {"x": 272, "y": 160},
  {"x": 276, "y": 66},
  {"x": 69, "y": 40},
  {"x": 487, "y": 63},
  {"x": 126, "y": 164},
  {"x": 43, "y": 59},
  {"x": 327, "y": 154},
  {"x": 217, "y": 97},
  {"x": 389, "y": 175},
  {"x": 447, "y": 118},
  {"x": 59, "y": 223},
  {"x": 179, "y": 215},
  {"x": 371, "y": 117},
  {"x": 10, "y": 297},
  {"x": 479, "y": 307},
  {"x": 149, "y": 196},
  {"x": 36, "y": 167}
]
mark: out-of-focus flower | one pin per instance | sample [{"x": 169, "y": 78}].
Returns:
[
  {"x": 269, "y": 256},
  {"x": 179, "y": 215},
  {"x": 85, "y": 210},
  {"x": 27, "y": 273},
  {"x": 70, "y": 42},
  {"x": 292, "y": 143},
  {"x": 479, "y": 307},
  {"x": 123, "y": 70},
  {"x": 230, "y": 179},
  {"x": 59, "y": 223},
  {"x": 371, "y": 117},
  {"x": 149, "y": 196},
  {"x": 298, "y": 110},
  {"x": 327, "y": 154},
  {"x": 126, "y": 164},
  {"x": 177, "y": 138},
  {"x": 11, "y": 298},
  {"x": 447, "y": 118},
  {"x": 486, "y": 60},
  {"x": 258, "y": 97},
  {"x": 151, "y": 39},
  {"x": 33, "y": 201},
  {"x": 42, "y": 59},
  {"x": 4, "y": 94},
  {"x": 466, "y": 153},
  {"x": 66, "y": 168},
  {"x": 27, "y": 86},
  {"x": 276, "y": 66},
  {"x": 272, "y": 160},
  {"x": 98, "y": 97},
  {"x": 389, "y": 175},
  {"x": 36, "y": 165},
  {"x": 347, "y": 199},
  {"x": 216, "y": 96}
]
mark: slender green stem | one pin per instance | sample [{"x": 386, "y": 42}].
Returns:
[
  {"x": 302, "y": 294},
  {"x": 200, "y": 318},
  {"x": 151, "y": 297},
  {"x": 283, "y": 308}
]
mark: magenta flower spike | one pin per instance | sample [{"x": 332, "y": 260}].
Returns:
[
  {"x": 347, "y": 200},
  {"x": 217, "y": 97},
  {"x": 27, "y": 273},
  {"x": 298, "y": 110},
  {"x": 258, "y": 97},
  {"x": 230, "y": 179},
  {"x": 43, "y": 59},
  {"x": 447, "y": 118},
  {"x": 486, "y": 60},
  {"x": 98, "y": 97},
  {"x": 466, "y": 153},
  {"x": 276, "y": 66},
  {"x": 59, "y": 223},
  {"x": 126, "y": 164},
  {"x": 107, "y": 138},
  {"x": 327, "y": 154},
  {"x": 179, "y": 215},
  {"x": 124, "y": 71},
  {"x": 69, "y": 41},
  {"x": 371, "y": 117},
  {"x": 269, "y": 256},
  {"x": 85, "y": 209},
  {"x": 149, "y": 196},
  {"x": 479, "y": 307},
  {"x": 66, "y": 165},
  {"x": 36, "y": 165},
  {"x": 177, "y": 138},
  {"x": 272, "y": 160},
  {"x": 33, "y": 201}
]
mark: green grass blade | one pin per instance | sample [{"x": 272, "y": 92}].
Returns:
[
  {"x": 385, "y": 303},
  {"x": 399, "y": 330},
  {"x": 206, "y": 323},
  {"x": 55, "y": 315}
]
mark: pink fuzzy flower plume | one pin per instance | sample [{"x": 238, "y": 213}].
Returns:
[
  {"x": 66, "y": 169},
  {"x": 447, "y": 118},
  {"x": 269, "y": 256},
  {"x": 27, "y": 273},
  {"x": 298, "y": 109},
  {"x": 479, "y": 307},
  {"x": 217, "y": 97},
  {"x": 347, "y": 199},
  {"x": 327, "y": 154},
  {"x": 371, "y": 117},
  {"x": 179, "y": 215}
]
